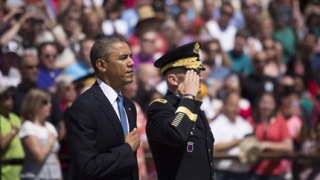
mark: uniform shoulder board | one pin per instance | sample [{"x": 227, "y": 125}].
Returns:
[{"x": 159, "y": 100}]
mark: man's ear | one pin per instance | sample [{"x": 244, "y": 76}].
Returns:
[
  {"x": 173, "y": 79},
  {"x": 101, "y": 65}
]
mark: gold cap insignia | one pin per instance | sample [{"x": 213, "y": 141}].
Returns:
[{"x": 196, "y": 48}]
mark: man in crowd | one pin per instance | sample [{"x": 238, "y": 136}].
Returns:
[
  {"x": 178, "y": 132},
  {"x": 237, "y": 18},
  {"x": 47, "y": 73},
  {"x": 257, "y": 82},
  {"x": 147, "y": 41},
  {"x": 229, "y": 129},
  {"x": 102, "y": 130},
  {"x": 241, "y": 63},
  {"x": 222, "y": 30}
]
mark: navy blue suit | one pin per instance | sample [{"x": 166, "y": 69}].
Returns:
[{"x": 96, "y": 138}]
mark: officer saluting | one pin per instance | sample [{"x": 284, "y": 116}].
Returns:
[{"x": 178, "y": 132}]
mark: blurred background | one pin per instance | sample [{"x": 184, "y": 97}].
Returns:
[{"x": 262, "y": 60}]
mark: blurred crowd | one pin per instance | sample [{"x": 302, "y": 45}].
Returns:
[{"x": 262, "y": 77}]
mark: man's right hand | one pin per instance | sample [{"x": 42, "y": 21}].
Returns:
[
  {"x": 133, "y": 139},
  {"x": 190, "y": 85}
]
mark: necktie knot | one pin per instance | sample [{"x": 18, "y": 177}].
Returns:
[{"x": 119, "y": 99}]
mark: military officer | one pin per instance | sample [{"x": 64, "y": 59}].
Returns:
[{"x": 178, "y": 132}]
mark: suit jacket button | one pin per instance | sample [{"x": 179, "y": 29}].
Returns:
[
  {"x": 209, "y": 150},
  {"x": 191, "y": 133}
]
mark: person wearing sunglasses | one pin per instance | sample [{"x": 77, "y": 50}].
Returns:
[
  {"x": 9, "y": 126},
  {"x": 222, "y": 30},
  {"x": 39, "y": 138},
  {"x": 47, "y": 72}
]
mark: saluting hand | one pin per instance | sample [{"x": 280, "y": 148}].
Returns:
[
  {"x": 133, "y": 139},
  {"x": 190, "y": 85}
]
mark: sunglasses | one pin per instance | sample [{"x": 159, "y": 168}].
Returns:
[
  {"x": 45, "y": 102},
  {"x": 32, "y": 67},
  {"x": 148, "y": 40},
  {"x": 226, "y": 13},
  {"x": 49, "y": 55}
]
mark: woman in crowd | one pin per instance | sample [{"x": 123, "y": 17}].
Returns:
[
  {"x": 299, "y": 65},
  {"x": 274, "y": 67},
  {"x": 10, "y": 144},
  {"x": 39, "y": 138},
  {"x": 272, "y": 131}
]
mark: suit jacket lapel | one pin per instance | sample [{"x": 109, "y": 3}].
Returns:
[
  {"x": 108, "y": 110},
  {"x": 129, "y": 113}
]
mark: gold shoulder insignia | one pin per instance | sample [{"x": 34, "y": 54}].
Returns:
[
  {"x": 159, "y": 100},
  {"x": 196, "y": 48}
]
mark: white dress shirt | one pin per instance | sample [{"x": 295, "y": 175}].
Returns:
[
  {"x": 225, "y": 131},
  {"x": 112, "y": 95}
]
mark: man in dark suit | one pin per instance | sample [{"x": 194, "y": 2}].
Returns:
[
  {"x": 178, "y": 132},
  {"x": 102, "y": 133}
]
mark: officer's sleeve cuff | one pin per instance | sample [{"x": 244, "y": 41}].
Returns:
[{"x": 190, "y": 108}]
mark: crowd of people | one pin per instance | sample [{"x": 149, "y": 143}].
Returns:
[{"x": 262, "y": 77}]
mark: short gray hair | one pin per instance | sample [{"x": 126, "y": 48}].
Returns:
[
  {"x": 102, "y": 48},
  {"x": 62, "y": 80}
]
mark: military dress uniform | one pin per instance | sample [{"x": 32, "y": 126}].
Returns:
[{"x": 178, "y": 132}]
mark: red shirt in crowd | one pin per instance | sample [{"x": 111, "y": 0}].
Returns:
[{"x": 277, "y": 132}]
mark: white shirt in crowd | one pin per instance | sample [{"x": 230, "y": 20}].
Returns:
[
  {"x": 112, "y": 95},
  {"x": 226, "y": 37},
  {"x": 13, "y": 78},
  {"x": 28, "y": 128},
  {"x": 225, "y": 131},
  {"x": 109, "y": 27}
]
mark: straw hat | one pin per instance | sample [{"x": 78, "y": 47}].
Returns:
[
  {"x": 145, "y": 13},
  {"x": 250, "y": 150}
]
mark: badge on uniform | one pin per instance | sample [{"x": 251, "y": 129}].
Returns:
[{"x": 190, "y": 147}]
